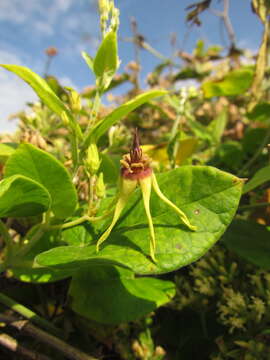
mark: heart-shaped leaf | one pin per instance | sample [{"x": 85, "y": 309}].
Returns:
[
  {"x": 6, "y": 149},
  {"x": 21, "y": 196},
  {"x": 42, "y": 167},
  {"x": 112, "y": 295},
  {"x": 208, "y": 196}
]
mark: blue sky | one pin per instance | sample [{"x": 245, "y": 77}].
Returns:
[{"x": 28, "y": 27}]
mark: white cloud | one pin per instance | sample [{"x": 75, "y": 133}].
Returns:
[{"x": 43, "y": 28}]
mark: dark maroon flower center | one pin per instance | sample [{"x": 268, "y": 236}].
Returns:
[{"x": 135, "y": 165}]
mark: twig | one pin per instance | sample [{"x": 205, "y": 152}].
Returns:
[
  {"x": 29, "y": 314},
  {"x": 12, "y": 344},
  {"x": 24, "y": 325},
  {"x": 224, "y": 15}
]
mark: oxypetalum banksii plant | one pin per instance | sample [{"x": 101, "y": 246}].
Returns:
[{"x": 136, "y": 170}]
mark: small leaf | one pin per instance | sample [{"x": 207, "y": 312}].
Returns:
[
  {"x": 234, "y": 83},
  {"x": 88, "y": 60},
  {"x": 202, "y": 192},
  {"x": 40, "y": 86},
  {"x": 21, "y": 196},
  {"x": 249, "y": 240},
  {"x": 117, "y": 114},
  {"x": 106, "y": 59},
  {"x": 217, "y": 126},
  {"x": 259, "y": 178},
  {"x": 42, "y": 167},
  {"x": 118, "y": 295}
]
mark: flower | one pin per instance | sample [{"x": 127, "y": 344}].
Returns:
[{"x": 136, "y": 170}]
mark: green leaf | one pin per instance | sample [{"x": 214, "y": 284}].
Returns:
[
  {"x": 118, "y": 295},
  {"x": 109, "y": 169},
  {"x": 40, "y": 86},
  {"x": 23, "y": 267},
  {"x": 6, "y": 149},
  {"x": 116, "y": 115},
  {"x": 106, "y": 59},
  {"x": 217, "y": 126},
  {"x": 259, "y": 178},
  {"x": 21, "y": 196},
  {"x": 234, "y": 83},
  {"x": 249, "y": 240},
  {"x": 208, "y": 196},
  {"x": 88, "y": 60},
  {"x": 260, "y": 112},
  {"x": 42, "y": 167}
]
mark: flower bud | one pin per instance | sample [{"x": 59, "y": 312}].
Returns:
[
  {"x": 75, "y": 101},
  {"x": 100, "y": 186},
  {"x": 93, "y": 160}
]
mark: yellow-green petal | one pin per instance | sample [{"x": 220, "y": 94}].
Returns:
[
  {"x": 181, "y": 214},
  {"x": 146, "y": 185},
  {"x": 126, "y": 189}
]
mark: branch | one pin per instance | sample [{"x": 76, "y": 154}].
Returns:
[
  {"x": 24, "y": 325},
  {"x": 224, "y": 15},
  {"x": 12, "y": 344},
  {"x": 29, "y": 314}
]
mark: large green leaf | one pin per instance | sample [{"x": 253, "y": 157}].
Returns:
[
  {"x": 23, "y": 268},
  {"x": 100, "y": 128},
  {"x": 21, "y": 196},
  {"x": 112, "y": 295},
  {"x": 207, "y": 195},
  {"x": 6, "y": 149},
  {"x": 106, "y": 59},
  {"x": 42, "y": 167},
  {"x": 259, "y": 178},
  {"x": 40, "y": 86},
  {"x": 237, "y": 82},
  {"x": 250, "y": 241}
]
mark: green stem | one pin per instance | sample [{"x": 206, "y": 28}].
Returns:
[
  {"x": 256, "y": 155},
  {"x": 257, "y": 205},
  {"x": 92, "y": 181},
  {"x": 28, "y": 314},
  {"x": 80, "y": 221},
  {"x": 74, "y": 150},
  {"x": 94, "y": 112}
]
